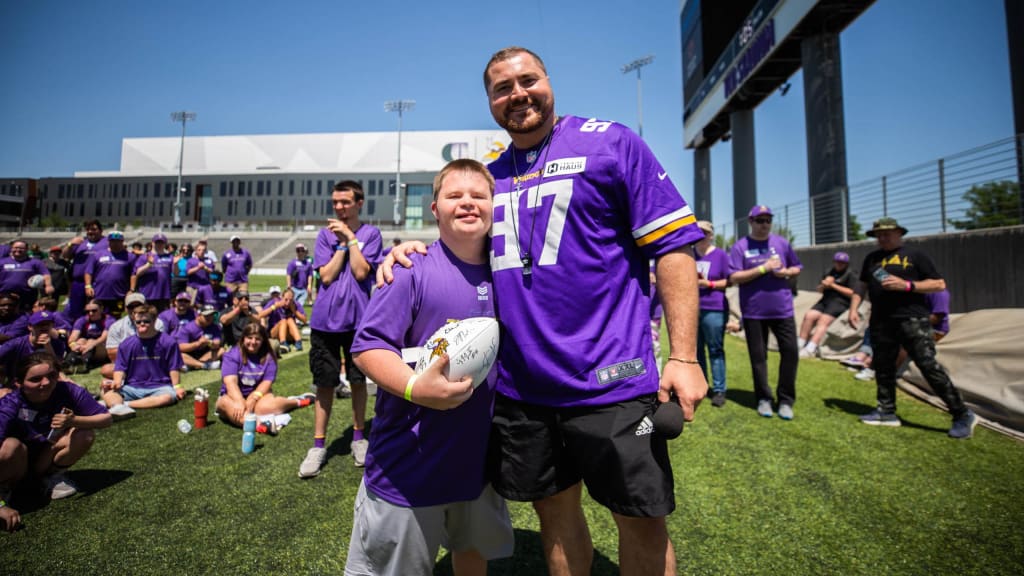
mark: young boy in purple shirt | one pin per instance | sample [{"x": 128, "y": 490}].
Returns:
[
  {"x": 147, "y": 370},
  {"x": 46, "y": 425},
  {"x": 236, "y": 263},
  {"x": 425, "y": 468},
  {"x": 347, "y": 251},
  {"x": 762, "y": 263}
]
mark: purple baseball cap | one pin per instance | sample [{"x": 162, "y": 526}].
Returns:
[
  {"x": 183, "y": 296},
  {"x": 841, "y": 257},
  {"x": 158, "y": 237},
  {"x": 760, "y": 210},
  {"x": 39, "y": 317}
]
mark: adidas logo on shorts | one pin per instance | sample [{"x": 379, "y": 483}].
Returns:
[{"x": 645, "y": 427}]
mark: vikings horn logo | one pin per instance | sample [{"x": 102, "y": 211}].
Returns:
[{"x": 438, "y": 348}]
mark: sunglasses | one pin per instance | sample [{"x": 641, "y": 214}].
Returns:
[
  {"x": 762, "y": 220},
  {"x": 91, "y": 310},
  {"x": 143, "y": 322}
]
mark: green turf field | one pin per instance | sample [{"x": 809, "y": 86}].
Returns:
[{"x": 822, "y": 494}]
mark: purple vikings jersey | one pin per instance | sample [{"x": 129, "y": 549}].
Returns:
[
  {"x": 339, "y": 306},
  {"x": 590, "y": 210},
  {"x": 110, "y": 273},
  {"x": 155, "y": 282},
  {"x": 249, "y": 373},
  {"x": 236, "y": 265},
  {"x": 30, "y": 423},
  {"x": 147, "y": 363},
  {"x": 767, "y": 297},
  {"x": 713, "y": 266},
  {"x": 420, "y": 456}
]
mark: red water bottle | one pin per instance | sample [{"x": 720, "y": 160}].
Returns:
[{"x": 200, "y": 407}]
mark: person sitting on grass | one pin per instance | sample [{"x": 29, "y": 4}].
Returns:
[
  {"x": 282, "y": 317},
  {"x": 119, "y": 331},
  {"x": 41, "y": 337},
  {"x": 236, "y": 317},
  {"x": 200, "y": 340},
  {"x": 13, "y": 322},
  {"x": 247, "y": 375},
  {"x": 221, "y": 294},
  {"x": 46, "y": 426},
  {"x": 181, "y": 312},
  {"x": 88, "y": 340},
  {"x": 60, "y": 320},
  {"x": 147, "y": 371}
]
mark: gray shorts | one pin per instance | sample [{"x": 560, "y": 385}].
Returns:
[{"x": 390, "y": 540}]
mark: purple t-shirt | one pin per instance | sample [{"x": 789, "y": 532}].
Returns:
[
  {"x": 340, "y": 305},
  {"x": 299, "y": 271},
  {"x": 249, "y": 373},
  {"x": 236, "y": 265},
  {"x": 200, "y": 278},
  {"x": 14, "y": 275},
  {"x": 275, "y": 316},
  {"x": 191, "y": 332},
  {"x": 713, "y": 266},
  {"x": 12, "y": 351},
  {"x": 18, "y": 326},
  {"x": 221, "y": 297},
  {"x": 767, "y": 297},
  {"x": 938, "y": 303},
  {"x": 110, "y": 273},
  {"x": 80, "y": 256},
  {"x": 420, "y": 456},
  {"x": 147, "y": 363},
  {"x": 172, "y": 321},
  {"x": 593, "y": 208},
  {"x": 91, "y": 329},
  {"x": 30, "y": 423},
  {"x": 155, "y": 282}
]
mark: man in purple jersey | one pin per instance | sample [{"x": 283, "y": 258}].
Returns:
[
  {"x": 45, "y": 427},
  {"x": 898, "y": 278},
  {"x": 17, "y": 269},
  {"x": 425, "y": 468},
  {"x": 585, "y": 202},
  {"x": 300, "y": 275},
  {"x": 762, "y": 263},
  {"x": 147, "y": 370},
  {"x": 108, "y": 274},
  {"x": 236, "y": 263},
  {"x": 200, "y": 340},
  {"x": 713, "y": 272},
  {"x": 77, "y": 252},
  {"x": 179, "y": 314},
  {"x": 346, "y": 254},
  {"x": 198, "y": 269},
  {"x": 152, "y": 274}
]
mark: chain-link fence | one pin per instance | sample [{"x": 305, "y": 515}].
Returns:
[{"x": 977, "y": 188}]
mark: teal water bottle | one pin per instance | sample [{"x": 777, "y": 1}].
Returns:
[{"x": 249, "y": 434}]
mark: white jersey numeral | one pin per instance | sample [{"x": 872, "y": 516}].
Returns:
[
  {"x": 561, "y": 191},
  {"x": 593, "y": 125}
]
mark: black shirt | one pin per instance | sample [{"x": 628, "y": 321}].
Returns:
[{"x": 906, "y": 263}]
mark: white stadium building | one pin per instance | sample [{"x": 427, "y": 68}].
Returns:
[{"x": 276, "y": 180}]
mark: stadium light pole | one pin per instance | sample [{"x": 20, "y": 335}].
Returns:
[
  {"x": 637, "y": 65},
  {"x": 399, "y": 106},
  {"x": 182, "y": 117}
]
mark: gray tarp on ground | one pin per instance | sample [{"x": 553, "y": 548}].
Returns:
[{"x": 984, "y": 354}]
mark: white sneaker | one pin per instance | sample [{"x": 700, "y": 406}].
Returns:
[
  {"x": 343, "y": 390},
  {"x": 60, "y": 487},
  {"x": 805, "y": 353},
  {"x": 311, "y": 464},
  {"x": 359, "y": 448},
  {"x": 121, "y": 411},
  {"x": 865, "y": 374}
]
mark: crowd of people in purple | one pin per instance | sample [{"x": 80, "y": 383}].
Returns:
[{"x": 572, "y": 399}]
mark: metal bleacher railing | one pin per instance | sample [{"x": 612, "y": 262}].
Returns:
[{"x": 927, "y": 198}]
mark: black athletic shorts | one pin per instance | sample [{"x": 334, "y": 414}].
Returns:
[
  {"x": 834, "y": 307},
  {"x": 538, "y": 451},
  {"x": 325, "y": 350}
]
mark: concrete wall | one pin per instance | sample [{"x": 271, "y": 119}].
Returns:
[{"x": 983, "y": 268}]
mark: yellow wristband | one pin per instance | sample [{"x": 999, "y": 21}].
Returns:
[
  {"x": 258, "y": 394},
  {"x": 353, "y": 242},
  {"x": 408, "y": 387},
  {"x": 178, "y": 387},
  {"x": 762, "y": 269}
]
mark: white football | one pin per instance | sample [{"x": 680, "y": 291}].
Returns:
[
  {"x": 471, "y": 345},
  {"x": 35, "y": 281}
]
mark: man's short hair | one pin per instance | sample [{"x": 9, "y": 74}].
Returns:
[
  {"x": 350, "y": 186},
  {"x": 91, "y": 223},
  {"x": 507, "y": 54},
  {"x": 462, "y": 165}
]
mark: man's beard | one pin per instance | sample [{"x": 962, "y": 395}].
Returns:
[{"x": 528, "y": 124}]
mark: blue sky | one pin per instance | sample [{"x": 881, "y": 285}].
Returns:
[{"x": 922, "y": 78}]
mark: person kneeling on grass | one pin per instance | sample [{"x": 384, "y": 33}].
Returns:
[
  {"x": 46, "y": 426},
  {"x": 200, "y": 341},
  {"x": 147, "y": 370},
  {"x": 247, "y": 374}
]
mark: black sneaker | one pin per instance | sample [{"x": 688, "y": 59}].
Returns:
[
  {"x": 963, "y": 427},
  {"x": 718, "y": 399},
  {"x": 878, "y": 418}
]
